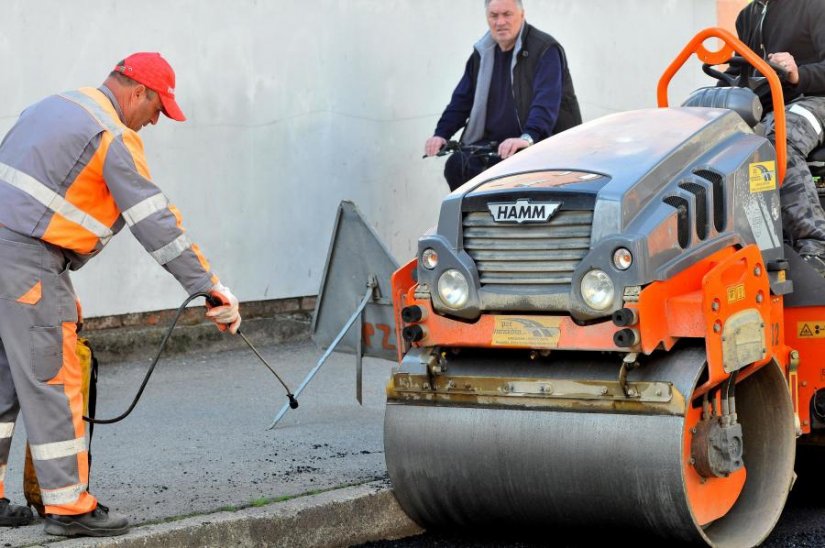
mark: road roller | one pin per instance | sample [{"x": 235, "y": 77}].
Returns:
[{"x": 608, "y": 330}]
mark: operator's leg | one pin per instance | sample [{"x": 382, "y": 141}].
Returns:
[
  {"x": 802, "y": 216},
  {"x": 37, "y": 326}
]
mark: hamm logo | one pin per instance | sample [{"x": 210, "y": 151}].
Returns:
[{"x": 522, "y": 211}]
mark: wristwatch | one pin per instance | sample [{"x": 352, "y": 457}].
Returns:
[{"x": 526, "y": 137}]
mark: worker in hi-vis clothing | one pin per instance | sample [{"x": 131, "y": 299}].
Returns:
[{"x": 72, "y": 174}]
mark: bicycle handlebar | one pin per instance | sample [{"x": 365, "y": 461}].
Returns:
[{"x": 489, "y": 150}]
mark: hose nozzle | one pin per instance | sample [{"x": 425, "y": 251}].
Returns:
[{"x": 293, "y": 403}]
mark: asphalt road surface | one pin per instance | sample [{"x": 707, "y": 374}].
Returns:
[{"x": 197, "y": 441}]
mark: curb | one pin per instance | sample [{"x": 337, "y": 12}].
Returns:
[
  {"x": 343, "y": 517},
  {"x": 136, "y": 343},
  {"x": 136, "y": 336}
]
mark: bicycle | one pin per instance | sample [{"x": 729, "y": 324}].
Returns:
[
  {"x": 485, "y": 150},
  {"x": 474, "y": 159}
]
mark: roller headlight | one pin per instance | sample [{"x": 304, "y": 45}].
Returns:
[
  {"x": 597, "y": 290},
  {"x": 453, "y": 288},
  {"x": 429, "y": 259},
  {"x": 622, "y": 258}
]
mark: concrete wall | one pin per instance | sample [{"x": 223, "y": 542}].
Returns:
[{"x": 295, "y": 105}]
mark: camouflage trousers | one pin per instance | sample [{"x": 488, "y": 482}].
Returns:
[{"x": 803, "y": 220}]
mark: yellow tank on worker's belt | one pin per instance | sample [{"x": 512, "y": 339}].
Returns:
[{"x": 31, "y": 487}]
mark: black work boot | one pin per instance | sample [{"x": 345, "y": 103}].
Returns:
[
  {"x": 97, "y": 523},
  {"x": 12, "y": 515},
  {"x": 815, "y": 261}
]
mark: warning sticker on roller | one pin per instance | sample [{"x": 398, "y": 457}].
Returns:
[
  {"x": 762, "y": 176},
  {"x": 810, "y": 330},
  {"x": 736, "y": 293},
  {"x": 526, "y": 332}
]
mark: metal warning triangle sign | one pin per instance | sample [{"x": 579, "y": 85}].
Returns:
[{"x": 355, "y": 254}]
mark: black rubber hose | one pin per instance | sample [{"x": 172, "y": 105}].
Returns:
[
  {"x": 293, "y": 402},
  {"x": 151, "y": 367}
]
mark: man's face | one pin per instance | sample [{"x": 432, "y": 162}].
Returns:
[
  {"x": 505, "y": 19},
  {"x": 144, "y": 107}
]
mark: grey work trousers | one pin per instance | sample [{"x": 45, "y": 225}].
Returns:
[{"x": 40, "y": 374}]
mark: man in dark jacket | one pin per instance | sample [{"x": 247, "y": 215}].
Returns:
[
  {"x": 791, "y": 34},
  {"x": 516, "y": 91}
]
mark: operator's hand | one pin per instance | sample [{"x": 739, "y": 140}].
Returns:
[
  {"x": 508, "y": 147},
  {"x": 787, "y": 62},
  {"x": 434, "y": 144},
  {"x": 226, "y": 316}
]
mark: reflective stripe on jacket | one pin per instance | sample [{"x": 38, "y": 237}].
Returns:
[{"x": 72, "y": 174}]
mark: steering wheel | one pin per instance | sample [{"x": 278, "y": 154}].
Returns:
[
  {"x": 743, "y": 80},
  {"x": 758, "y": 84}
]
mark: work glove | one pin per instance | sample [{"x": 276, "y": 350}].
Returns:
[{"x": 226, "y": 315}]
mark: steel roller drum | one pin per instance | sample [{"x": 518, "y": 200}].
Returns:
[{"x": 473, "y": 465}]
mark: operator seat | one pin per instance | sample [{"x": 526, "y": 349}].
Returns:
[{"x": 743, "y": 101}]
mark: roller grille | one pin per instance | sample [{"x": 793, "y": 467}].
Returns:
[
  {"x": 682, "y": 222},
  {"x": 539, "y": 256},
  {"x": 718, "y": 182},
  {"x": 701, "y": 207}
]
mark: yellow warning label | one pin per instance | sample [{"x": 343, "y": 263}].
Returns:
[
  {"x": 526, "y": 332},
  {"x": 736, "y": 293},
  {"x": 810, "y": 330},
  {"x": 762, "y": 176}
]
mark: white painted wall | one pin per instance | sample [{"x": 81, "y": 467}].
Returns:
[{"x": 295, "y": 105}]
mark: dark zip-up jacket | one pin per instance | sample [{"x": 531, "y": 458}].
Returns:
[
  {"x": 542, "y": 110},
  {"x": 794, "y": 26}
]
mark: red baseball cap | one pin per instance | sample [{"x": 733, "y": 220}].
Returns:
[{"x": 152, "y": 70}]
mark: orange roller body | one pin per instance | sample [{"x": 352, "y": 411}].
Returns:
[{"x": 606, "y": 331}]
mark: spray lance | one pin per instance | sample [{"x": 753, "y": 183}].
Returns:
[{"x": 211, "y": 301}]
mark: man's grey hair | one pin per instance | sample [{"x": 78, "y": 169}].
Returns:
[
  {"x": 518, "y": 3},
  {"x": 125, "y": 81}
]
